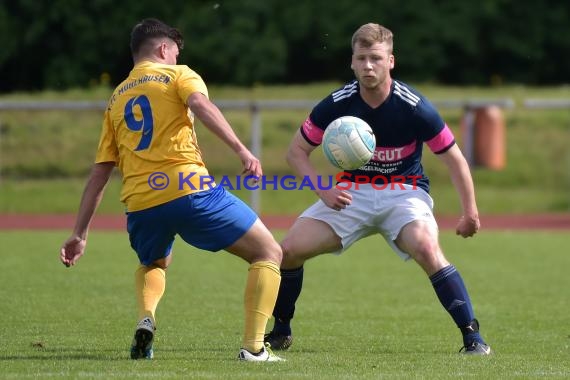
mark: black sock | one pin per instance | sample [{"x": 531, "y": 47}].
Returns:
[{"x": 289, "y": 291}]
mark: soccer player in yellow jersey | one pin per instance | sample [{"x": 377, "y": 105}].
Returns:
[{"x": 148, "y": 133}]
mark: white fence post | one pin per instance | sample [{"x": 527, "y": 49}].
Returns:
[{"x": 255, "y": 201}]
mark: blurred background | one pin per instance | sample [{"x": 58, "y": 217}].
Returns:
[
  {"x": 496, "y": 69},
  {"x": 69, "y": 43}
]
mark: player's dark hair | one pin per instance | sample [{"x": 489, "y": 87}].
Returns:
[{"x": 151, "y": 28}]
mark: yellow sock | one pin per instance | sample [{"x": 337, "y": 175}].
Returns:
[
  {"x": 260, "y": 295},
  {"x": 150, "y": 284}
]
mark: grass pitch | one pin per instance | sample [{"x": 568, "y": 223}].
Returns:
[{"x": 365, "y": 314}]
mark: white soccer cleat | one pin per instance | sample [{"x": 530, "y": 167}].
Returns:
[{"x": 265, "y": 355}]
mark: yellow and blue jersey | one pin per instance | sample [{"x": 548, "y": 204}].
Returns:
[{"x": 148, "y": 128}]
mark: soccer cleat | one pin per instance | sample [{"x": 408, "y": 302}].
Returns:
[
  {"x": 265, "y": 355},
  {"x": 476, "y": 348},
  {"x": 278, "y": 342},
  {"x": 141, "y": 347}
]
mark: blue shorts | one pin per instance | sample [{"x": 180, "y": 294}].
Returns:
[{"x": 211, "y": 220}]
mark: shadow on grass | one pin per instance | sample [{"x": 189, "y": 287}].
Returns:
[
  {"x": 43, "y": 354},
  {"x": 63, "y": 354}
]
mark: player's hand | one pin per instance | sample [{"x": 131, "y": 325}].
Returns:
[
  {"x": 251, "y": 164},
  {"x": 468, "y": 226},
  {"x": 72, "y": 250},
  {"x": 335, "y": 198}
]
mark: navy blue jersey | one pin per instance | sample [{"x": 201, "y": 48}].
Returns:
[{"x": 401, "y": 125}]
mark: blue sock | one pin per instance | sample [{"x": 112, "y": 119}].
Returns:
[
  {"x": 289, "y": 291},
  {"x": 453, "y": 295}
]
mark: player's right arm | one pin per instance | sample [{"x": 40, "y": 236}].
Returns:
[
  {"x": 74, "y": 246},
  {"x": 298, "y": 159}
]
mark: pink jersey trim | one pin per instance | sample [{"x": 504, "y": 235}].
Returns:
[
  {"x": 442, "y": 140},
  {"x": 312, "y": 132}
]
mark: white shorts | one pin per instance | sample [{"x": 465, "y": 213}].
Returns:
[{"x": 375, "y": 211}]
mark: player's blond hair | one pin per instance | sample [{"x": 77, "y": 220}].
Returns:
[{"x": 370, "y": 33}]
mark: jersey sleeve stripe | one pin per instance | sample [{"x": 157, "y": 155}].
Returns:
[
  {"x": 312, "y": 133},
  {"x": 442, "y": 141},
  {"x": 406, "y": 91},
  {"x": 406, "y": 95},
  {"x": 345, "y": 92}
]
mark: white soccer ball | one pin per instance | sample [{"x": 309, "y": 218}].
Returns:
[{"x": 348, "y": 142}]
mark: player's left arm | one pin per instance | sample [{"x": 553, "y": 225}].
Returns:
[
  {"x": 461, "y": 177},
  {"x": 211, "y": 116}
]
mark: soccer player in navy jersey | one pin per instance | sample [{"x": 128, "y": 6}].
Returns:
[
  {"x": 149, "y": 134},
  {"x": 402, "y": 121}
]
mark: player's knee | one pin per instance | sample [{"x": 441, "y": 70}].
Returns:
[
  {"x": 275, "y": 253},
  {"x": 290, "y": 257},
  {"x": 424, "y": 250},
  {"x": 285, "y": 246},
  {"x": 265, "y": 248},
  {"x": 162, "y": 263},
  {"x": 427, "y": 248},
  {"x": 429, "y": 256}
]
